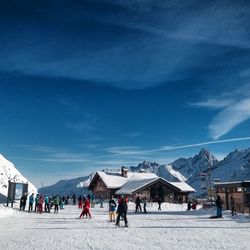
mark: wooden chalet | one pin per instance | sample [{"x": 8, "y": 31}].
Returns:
[
  {"x": 156, "y": 188},
  {"x": 240, "y": 191},
  {"x": 131, "y": 184}
]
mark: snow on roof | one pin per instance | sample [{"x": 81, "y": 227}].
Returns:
[
  {"x": 183, "y": 186},
  {"x": 134, "y": 184},
  {"x": 115, "y": 180},
  {"x": 231, "y": 183}
]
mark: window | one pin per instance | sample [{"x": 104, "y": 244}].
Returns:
[{"x": 239, "y": 189}]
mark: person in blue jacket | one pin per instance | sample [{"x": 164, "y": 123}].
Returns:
[
  {"x": 31, "y": 202},
  {"x": 112, "y": 208}
]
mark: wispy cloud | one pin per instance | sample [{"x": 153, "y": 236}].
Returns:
[
  {"x": 165, "y": 49},
  {"x": 214, "y": 103},
  {"x": 136, "y": 151},
  {"x": 229, "y": 118},
  {"x": 233, "y": 106}
]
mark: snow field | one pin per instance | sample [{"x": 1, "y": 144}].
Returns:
[{"x": 171, "y": 228}]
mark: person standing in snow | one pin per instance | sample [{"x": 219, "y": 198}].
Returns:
[
  {"x": 23, "y": 202},
  {"x": 219, "y": 203},
  {"x": 56, "y": 202},
  {"x": 138, "y": 204},
  {"x": 145, "y": 204},
  {"x": 86, "y": 209},
  {"x": 159, "y": 203},
  {"x": 40, "y": 204},
  {"x": 122, "y": 210},
  {"x": 233, "y": 210},
  {"x": 36, "y": 203},
  {"x": 80, "y": 202},
  {"x": 112, "y": 207},
  {"x": 47, "y": 205},
  {"x": 31, "y": 201},
  {"x": 74, "y": 199}
]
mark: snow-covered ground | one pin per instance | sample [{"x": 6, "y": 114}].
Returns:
[{"x": 171, "y": 228}]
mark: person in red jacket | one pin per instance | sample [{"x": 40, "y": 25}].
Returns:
[
  {"x": 86, "y": 209},
  {"x": 40, "y": 204}
]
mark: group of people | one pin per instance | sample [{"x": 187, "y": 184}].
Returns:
[
  {"x": 191, "y": 205},
  {"x": 138, "y": 202},
  {"x": 42, "y": 203},
  {"x": 219, "y": 205},
  {"x": 116, "y": 210},
  {"x": 81, "y": 200},
  {"x": 121, "y": 210}
]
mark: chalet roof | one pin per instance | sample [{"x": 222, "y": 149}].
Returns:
[
  {"x": 183, "y": 186},
  {"x": 115, "y": 180},
  {"x": 134, "y": 184}
]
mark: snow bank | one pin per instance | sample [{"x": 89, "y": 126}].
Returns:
[
  {"x": 5, "y": 211},
  {"x": 8, "y": 171}
]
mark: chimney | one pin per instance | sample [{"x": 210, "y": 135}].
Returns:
[{"x": 124, "y": 171}]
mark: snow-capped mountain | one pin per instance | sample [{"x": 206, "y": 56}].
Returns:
[
  {"x": 72, "y": 186},
  {"x": 9, "y": 172},
  {"x": 193, "y": 166},
  {"x": 234, "y": 167}
]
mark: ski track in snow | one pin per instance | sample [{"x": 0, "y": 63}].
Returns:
[{"x": 171, "y": 228}]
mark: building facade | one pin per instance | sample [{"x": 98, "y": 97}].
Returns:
[{"x": 240, "y": 191}]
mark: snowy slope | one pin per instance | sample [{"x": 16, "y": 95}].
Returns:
[
  {"x": 171, "y": 228},
  {"x": 8, "y": 171}
]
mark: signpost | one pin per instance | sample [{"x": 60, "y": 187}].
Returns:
[
  {"x": 15, "y": 191},
  {"x": 203, "y": 177}
]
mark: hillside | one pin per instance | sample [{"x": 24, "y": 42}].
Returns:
[
  {"x": 9, "y": 172},
  {"x": 69, "y": 187}
]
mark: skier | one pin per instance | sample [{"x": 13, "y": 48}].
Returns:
[
  {"x": 219, "y": 203},
  {"x": 122, "y": 210},
  {"x": 138, "y": 204},
  {"x": 31, "y": 201},
  {"x": 112, "y": 206},
  {"x": 86, "y": 209},
  {"x": 189, "y": 205}
]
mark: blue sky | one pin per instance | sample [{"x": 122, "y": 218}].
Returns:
[{"x": 87, "y": 85}]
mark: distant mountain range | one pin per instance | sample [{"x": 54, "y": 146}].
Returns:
[{"x": 234, "y": 167}]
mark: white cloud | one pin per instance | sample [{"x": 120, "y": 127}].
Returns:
[
  {"x": 229, "y": 118},
  {"x": 214, "y": 103}
]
